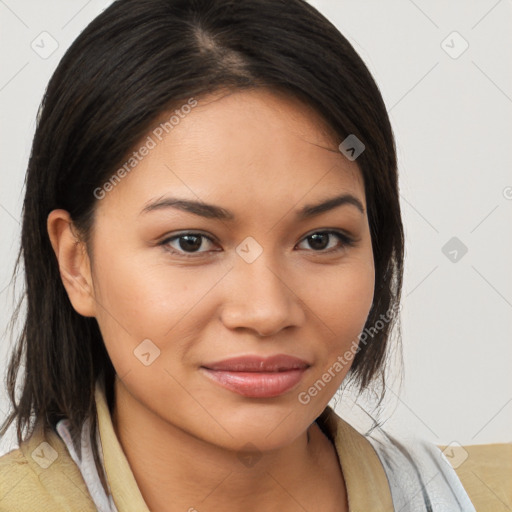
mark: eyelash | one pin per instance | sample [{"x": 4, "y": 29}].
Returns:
[{"x": 345, "y": 240}]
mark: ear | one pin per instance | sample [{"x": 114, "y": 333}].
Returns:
[{"x": 74, "y": 264}]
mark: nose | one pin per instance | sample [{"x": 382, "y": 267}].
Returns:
[{"x": 260, "y": 299}]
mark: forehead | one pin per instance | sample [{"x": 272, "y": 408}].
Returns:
[{"x": 254, "y": 147}]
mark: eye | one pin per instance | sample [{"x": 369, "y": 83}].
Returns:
[
  {"x": 186, "y": 244},
  {"x": 320, "y": 241}
]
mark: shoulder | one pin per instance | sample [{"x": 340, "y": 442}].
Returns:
[
  {"x": 477, "y": 477},
  {"x": 40, "y": 475},
  {"x": 419, "y": 475},
  {"x": 485, "y": 472}
]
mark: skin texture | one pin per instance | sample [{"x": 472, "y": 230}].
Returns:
[{"x": 261, "y": 155}]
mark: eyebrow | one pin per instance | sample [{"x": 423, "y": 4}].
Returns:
[{"x": 211, "y": 211}]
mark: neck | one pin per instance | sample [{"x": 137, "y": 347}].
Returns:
[{"x": 168, "y": 461}]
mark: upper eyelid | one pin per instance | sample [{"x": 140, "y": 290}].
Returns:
[{"x": 213, "y": 239}]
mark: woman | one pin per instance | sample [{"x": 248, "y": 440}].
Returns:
[{"x": 213, "y": 245}]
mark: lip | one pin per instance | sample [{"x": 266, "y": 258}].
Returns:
[
  {"x": 253, "y": 363},
  {"x": 257, "y": 377}
]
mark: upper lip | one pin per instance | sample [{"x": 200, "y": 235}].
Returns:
[{"x": 253, "y": 363}]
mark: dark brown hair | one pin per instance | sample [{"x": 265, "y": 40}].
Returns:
[{"x": 133, "y": 62}]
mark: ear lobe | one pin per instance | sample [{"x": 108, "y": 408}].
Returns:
[{"x": 73, "y": 260}]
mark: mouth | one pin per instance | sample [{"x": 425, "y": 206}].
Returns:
[{"x": 257, "y": 377}]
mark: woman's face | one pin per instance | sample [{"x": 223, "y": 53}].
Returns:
[{"x": 248, "y": 280}]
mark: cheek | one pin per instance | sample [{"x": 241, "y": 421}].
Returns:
[
  {"x": 342, "y": 299},
  {"x": 342, "y": 302},
  {"x": 144, "y": 294},
  {"x": 139, "y": 299}
]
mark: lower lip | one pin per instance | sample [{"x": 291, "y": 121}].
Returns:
[{"x": 257, "y": 384}]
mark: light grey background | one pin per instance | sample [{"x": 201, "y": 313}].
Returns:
[{"x": 451, "y": 111}]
